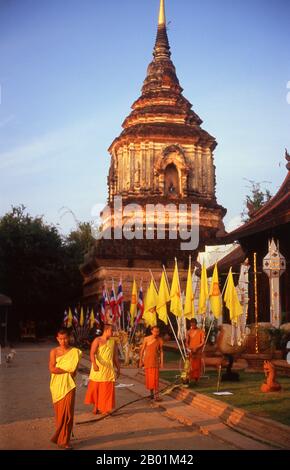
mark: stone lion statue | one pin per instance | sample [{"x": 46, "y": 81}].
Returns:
[{"x": 270, "y": 385}]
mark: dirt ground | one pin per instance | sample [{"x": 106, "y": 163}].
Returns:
[{"x": 27, "y": 418}]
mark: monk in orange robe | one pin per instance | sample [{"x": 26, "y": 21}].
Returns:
[
  {"x": 63, "y": 363},
  {"x": 151, "y": 356},
  {"x": 194, "y": 342},
  {"x": 101, "y": 387}
]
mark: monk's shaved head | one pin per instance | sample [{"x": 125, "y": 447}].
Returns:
[
  {"x": 107, "y": 326},
  {"x": 62, "y": 331},
  {"x": 107, "y": 330}
]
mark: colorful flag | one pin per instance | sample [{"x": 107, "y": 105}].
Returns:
[
  {"x": 175, "y": 294},
  {"x": 69, "y": 319},
  {"x": 113, "y": 303},
  {"x": 92, "y": 319},
  {"x": 231, "y": 299},
  {"x": 65, "y": 319},
  {"x": 120, "y": 298},
  {"x": 97, "y": 318},
  {"x": 150, "y": 304},
  {"x": 87, "y": 320},
  {"x": 189, "y": 297},
  {"x": 163, "y": 298},
  {"x": 215, "y": 297},
  {"x": 133, "y": 306},
  {"x": 203, "y": 293},
  {"x": 82, "y": 317},
  {"x": 140, "y": 306},
  {"x": 104, "y": 303},
  {"x": 75, "y": 318}
]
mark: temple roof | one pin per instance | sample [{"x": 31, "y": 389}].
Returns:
[
  {"x": 232, "y": 259},
  {"x": 162, "y": 106},
  {"x": 273, "y": 213},
  {"x": 169, "y": 130}
]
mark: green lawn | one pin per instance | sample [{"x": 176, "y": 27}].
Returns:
[
  {"x": 171, "y": 356},
  {"x": 246, "y": 393}
]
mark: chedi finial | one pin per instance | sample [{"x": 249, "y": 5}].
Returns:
[{"x": 162, "y": 16}]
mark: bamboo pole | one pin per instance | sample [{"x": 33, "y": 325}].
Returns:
[
  {"x": 182, "y": 314},
  {"x": 212, "y": 322},
  {"x": 169, "y": 321}
]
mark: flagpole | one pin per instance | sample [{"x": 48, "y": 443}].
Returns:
[
  {"x": 212, "y": 322},
  {"x": 136, "y": 323},
  {"x": 181, "y": 352},
  {"x": 123, "y": 315},
  {"x": 122, "y": 305},
  {"x": 182, "y": 309}
]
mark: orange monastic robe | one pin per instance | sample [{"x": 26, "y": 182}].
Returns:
[
  {"x": 101, "y": 388},
  {"x": 64, "y": 417},
  {"x": 152, "y": 364},
  {"x": 196, "y": 338},
  {"x": 63, "y": 388}
]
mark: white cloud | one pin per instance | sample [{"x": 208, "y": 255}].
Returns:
[
  {"x": 233, "y": 223},
  {"x": 36, "y": 155}
]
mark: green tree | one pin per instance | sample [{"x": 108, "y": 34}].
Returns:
[
  {"x": 81, "y": 239},
  {"x": 39, "y": 269},
  {"x": 255, "y": 200}
]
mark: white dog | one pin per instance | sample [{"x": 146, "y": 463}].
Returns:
[
  {"x": 85, "y": 381},
  {"x": 10, "y": 357}
]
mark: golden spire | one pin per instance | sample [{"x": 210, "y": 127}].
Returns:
[
  {"x": 162, "y": 48},
  {"x": 162, "y": 17}
]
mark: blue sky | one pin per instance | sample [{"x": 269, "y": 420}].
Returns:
[{"x": 70, "y": 70}]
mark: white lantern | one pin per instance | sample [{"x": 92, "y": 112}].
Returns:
[{"x": 274, "y": 265}]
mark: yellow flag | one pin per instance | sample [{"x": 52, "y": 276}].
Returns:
[
  {"x": 163, "y": 298},
  {"x": 150, "y": 304},
  {"x": 175, "y": 294},
  {"x": 133, "y": 306},
  {"x": 69, "y": 318},
  {"x": 189, "y": 297},
  {"x": 92, "y": 319},
  {"x": 231, "y": 299},
  {"x": 203, "y": 294},
  {"x": 215, "y": 297},
  {"x": 82, "y": 317}
]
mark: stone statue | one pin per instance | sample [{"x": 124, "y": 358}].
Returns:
[{"x": 270, "y": 385}]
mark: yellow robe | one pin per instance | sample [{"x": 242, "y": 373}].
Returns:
[
  {"x": 62, "y": 384},
  {"x": 104, "y": 359},
  {"x": 101, "y": 390}
]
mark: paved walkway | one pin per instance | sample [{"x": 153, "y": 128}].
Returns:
[{"x": 27, "y": 422}]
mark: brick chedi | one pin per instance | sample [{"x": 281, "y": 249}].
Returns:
[{"x": 162, "y": 156}]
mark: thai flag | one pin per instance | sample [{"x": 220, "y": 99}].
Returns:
[
  {"x": 65, "y": 319},
  {"x": 75, "y": 318},
  {"x": 120, "y": 298},
  {"x": 97, "y": 318},
  {"x": 104, "y": 303},
  {"x": 140, "y": 306},
  {"x": 87, "y": 320},
  {"x": 113, "y": 302}
]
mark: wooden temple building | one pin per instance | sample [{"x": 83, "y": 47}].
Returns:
[
  {"x": 270, "y": 222},
  {"x": 162, "y": 156}
]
